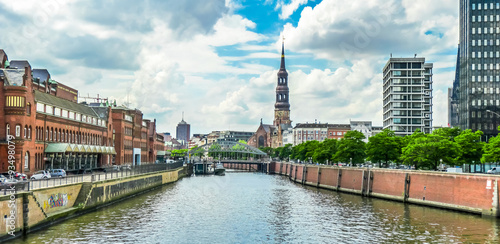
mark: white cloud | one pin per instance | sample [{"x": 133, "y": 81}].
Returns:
[
  {"x": 289, "y": 9},
  {"x": 170, "y": 61}
]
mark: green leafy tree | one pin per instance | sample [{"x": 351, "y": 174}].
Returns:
[
  {"x": 384, "y": 147},
  {"x": 214, "y": 150},
  {"x": 492, "y": 150},
  {"x": 449, "y": 133},
  {"x": 351, "y": 147},
  {"x": 325, "y": 151},
  {"x": 285, "y": 152},
  {"x": 427, "y": 151},
  {"x": 268, "y": 150},
  {"x": 242, "y": 141},
  {"x": 470, "y": 147},
  {"x": 178, "y": 153},
  {"x": 197, "y": 151}
]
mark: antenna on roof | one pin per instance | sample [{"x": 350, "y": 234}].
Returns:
[{"x": 415, "y": 55}]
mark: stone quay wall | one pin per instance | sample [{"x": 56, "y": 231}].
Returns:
[
  {"x": 474, "y": 193},
  {"x": 25, "y": 212}
]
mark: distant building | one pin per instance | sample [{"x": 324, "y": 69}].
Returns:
[
  {"x": 407, "y": 94},
  {"x": 183, "y": 133},
  {"x": 234, "y": 136},
  {"x": 364, "y": 127},
  {"x": 337, "y": 131}
]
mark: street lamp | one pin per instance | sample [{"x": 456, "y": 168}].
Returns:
[
  {"x": 489, "y": 111},
  {"x": 350, "y": 162}
]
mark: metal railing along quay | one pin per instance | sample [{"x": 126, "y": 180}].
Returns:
[{"x": 104, "y": 174}]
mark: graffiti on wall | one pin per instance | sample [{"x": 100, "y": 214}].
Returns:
[{"x": 57, "y": 200}]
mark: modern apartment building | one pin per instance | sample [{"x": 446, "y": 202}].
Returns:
[
  {"x": 407, "y": 95},
  {"x": 479, "y": 69}
]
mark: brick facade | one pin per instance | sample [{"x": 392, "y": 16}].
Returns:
[{"x": 52, "y": 130}]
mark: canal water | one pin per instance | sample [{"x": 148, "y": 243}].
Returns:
[{"x": 259, "y": 208}]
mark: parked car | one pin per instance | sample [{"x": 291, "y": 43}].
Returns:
[
  {"x": 8, "y": 182},
  {"x": 20, "y": 176},
  {"x": 114, "y": 168},
  {"x": 15, "y": 175},
  {"x": 57, "y": 173},
  {"x": 42, "y": 174},
  {"x": 494, "y": 170}
]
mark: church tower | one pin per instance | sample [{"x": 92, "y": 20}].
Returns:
[{"x": 282, "y": 106}]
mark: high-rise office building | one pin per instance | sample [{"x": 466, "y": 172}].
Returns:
[
  {"x": 407, "y": 95},
  {"x": 183, "y": 133},
  {"x": 479, "y": 72}
]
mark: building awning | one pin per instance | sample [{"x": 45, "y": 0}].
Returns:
[
  {"x": 92, "y": 149},
  {"x": 58, "y": 148},
  {"x": 160, "y": 153},
  {"x": 112, "y": 150}
]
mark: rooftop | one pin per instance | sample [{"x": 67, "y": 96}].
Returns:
[{"x": 63, "y": 103}]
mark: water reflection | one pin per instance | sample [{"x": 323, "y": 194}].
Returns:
[{"x": 258, "y": 208}]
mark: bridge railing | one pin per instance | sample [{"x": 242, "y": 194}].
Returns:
[{"x": 104, "y": 174}]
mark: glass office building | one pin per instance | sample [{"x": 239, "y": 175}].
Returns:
[{"x": 479, "y": 68}]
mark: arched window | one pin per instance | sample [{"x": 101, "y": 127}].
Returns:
[
  {"x": 28, "y": 109},
  {"x": 25, "y": 131},
  {"x": 27, "y": 160},
  {"x": 29, "y": 132},
  {"x": 47, "y": 134},
  {"x": 18, "y": 130},
  {"x": 7, "y": 129}
]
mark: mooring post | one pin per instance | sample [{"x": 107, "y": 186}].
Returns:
[
  {"x": 319, "y": 176},
  {"x": 339, "y": 175},
  {"x": 304, "y": 174},
  {"x": 407, "y": 188}
]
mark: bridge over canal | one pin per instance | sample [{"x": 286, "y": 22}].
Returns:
[{"x": 233, "y": 155}]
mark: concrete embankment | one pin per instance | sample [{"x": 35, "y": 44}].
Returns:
[
  {"x": 29, "y": 211},
  {"x": 473, "y": 193}
]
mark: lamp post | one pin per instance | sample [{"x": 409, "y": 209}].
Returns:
[
  {"x": 441, "y": 163},
  {"x": 489, "y": 111},
  {"x": 350, "y": 162}
]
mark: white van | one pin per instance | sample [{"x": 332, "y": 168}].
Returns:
[{"x": 494, "y": 170}]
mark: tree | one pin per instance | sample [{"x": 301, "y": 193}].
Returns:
[
  {"x": 351, "y": 148},
  {"x": 427, "y": 151},
  {"x": 268, "y": 150},
  {"x": 470, "y": 147},
  {"x": 384, "y": 147},
  {"x": 198, "y": 151},
  {"x": 325, "y": 151},
  {"x": 214, "y": 150},
  {"x": 447, "y": 132},
  {"x": 242, "y": 142},
  {"x": 492, "y": 150},
  {"x": 178, "y": 153},
  {"x": 285, "y": 152}
]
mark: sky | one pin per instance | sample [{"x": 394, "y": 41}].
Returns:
[{"x": 217, "y": 60}]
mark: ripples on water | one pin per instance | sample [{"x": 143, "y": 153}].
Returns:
[{"x": 258, "y": 208}]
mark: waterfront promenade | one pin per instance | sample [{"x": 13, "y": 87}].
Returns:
[{"x": 52, "y": 201}]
